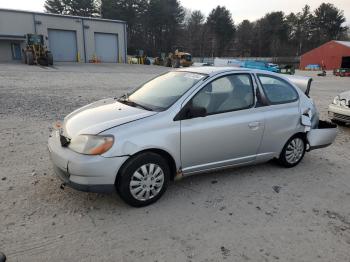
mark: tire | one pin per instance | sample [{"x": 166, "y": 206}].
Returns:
[
  {"x": 43, "y": 61},
  {"x": 50, "y": 58},
  {"x": 293, "y": 151},
  {"x": 30, "y": 58},
  {"x": 168, "y": 62},
  {"x": 24, "y": 56},
  {"x": 176, "y": 63},
  {"x": 133, "y": 176}
]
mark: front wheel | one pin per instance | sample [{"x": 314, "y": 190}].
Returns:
[
  {"x": 143, "y": 179},
  {"x": 293, "y": 152}
]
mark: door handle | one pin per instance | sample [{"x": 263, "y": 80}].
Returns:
[{"x": 254, "y": 125}]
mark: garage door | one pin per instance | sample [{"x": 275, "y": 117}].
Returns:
[
  {"x": 63, "y": 45},
  {"x": 106, "y": 47}
]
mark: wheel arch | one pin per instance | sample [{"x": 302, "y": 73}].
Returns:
[
  {"x": 302, "y": 135},
  {"x": 166, "y": 155},
  {"x": 282, "y": 158}
]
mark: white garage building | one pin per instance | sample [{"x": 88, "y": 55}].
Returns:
[{"x": 69, "y": 38}]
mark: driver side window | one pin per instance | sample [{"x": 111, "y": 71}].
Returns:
[{"x": 228, "y": 93}]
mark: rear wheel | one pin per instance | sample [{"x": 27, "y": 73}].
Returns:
[
  {"x": 30, "y": 58},
  {"x": 43, "y": 61},
  {"x": 24, "y": 57},
  {"x": 143, "y": 179},
  {"x": 293, "y": 151},
  {"x": 176, "y": 63},
  {"x": 50, "y": 58},
  {"x": 168, "y": 62}
]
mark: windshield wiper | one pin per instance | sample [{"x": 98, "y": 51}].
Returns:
[
  {"x": 125, "y": 96},
  {"x": 134, "y": 104}
]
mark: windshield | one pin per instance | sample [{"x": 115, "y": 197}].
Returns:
[{"x": 163, "y": 91}]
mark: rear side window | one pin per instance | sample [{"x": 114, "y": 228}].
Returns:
[{"x": 277, "y": 90}]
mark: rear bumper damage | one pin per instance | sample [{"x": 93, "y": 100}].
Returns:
[{"x": 322, "y": 136}]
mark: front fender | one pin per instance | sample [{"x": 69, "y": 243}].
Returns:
[{"x": 154, "y": 132}]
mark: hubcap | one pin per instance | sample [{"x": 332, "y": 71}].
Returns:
[
  {"x": 295, "y": 150},
  {"x": 146, "y": 182}
]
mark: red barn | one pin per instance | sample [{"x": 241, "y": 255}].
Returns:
[{"x": 333, "y": 55}]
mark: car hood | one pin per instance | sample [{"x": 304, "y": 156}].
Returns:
[{"x": 101, "y": 115}]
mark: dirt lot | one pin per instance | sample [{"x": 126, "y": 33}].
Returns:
[{"x": 234, "y": 215}]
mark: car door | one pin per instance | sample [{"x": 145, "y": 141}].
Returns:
[
  {"x": 281, "y": 112},
  {"x": 231, "y": 130}
]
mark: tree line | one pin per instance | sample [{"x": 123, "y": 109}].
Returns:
[{"x": 157, "y": 26}]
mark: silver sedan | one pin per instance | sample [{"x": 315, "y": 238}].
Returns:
[{"x": 186, "y": 122}]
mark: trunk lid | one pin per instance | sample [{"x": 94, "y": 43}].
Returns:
[{"x": 303, "y": 82}]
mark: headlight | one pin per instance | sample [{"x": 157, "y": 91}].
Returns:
[
  {"x": 91, "y": 144},
  {"x": 336, "y": 100}
]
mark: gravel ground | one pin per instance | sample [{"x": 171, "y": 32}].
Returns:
[{"x": 259, "y": 213}]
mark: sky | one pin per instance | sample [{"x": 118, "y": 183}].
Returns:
[{"x": 246, "y": 9}]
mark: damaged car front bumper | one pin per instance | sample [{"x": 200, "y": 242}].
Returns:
[
  {"x": 83, "y": 172},
  {"x": 339, "y": 113}
]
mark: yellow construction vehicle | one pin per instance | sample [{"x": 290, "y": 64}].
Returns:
[
  {"x": 180, "y": 59},
  {"x": 175, "y": 59},
  {"x": 35, "y": 52},
  {"x": 160, "y": 60}
]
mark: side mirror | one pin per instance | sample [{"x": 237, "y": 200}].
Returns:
[
  {"x": 197, "y": 112},
  {"x": 190, "y": 111}
]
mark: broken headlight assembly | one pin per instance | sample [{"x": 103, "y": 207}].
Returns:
[{"x": 91, "y": 144}]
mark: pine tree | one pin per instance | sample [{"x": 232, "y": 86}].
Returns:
[
  {"x": 328, "y": 23},
  {"x": 222, "y": 29},
  {"x": 83, "y": 8},
  {"x": 54, "y": 6},
  {"x": 72, "y": 7}
]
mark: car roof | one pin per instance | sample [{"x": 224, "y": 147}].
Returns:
[
  {"x": 213, "y": 70},
  {"x": 300, "y": 81}
]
